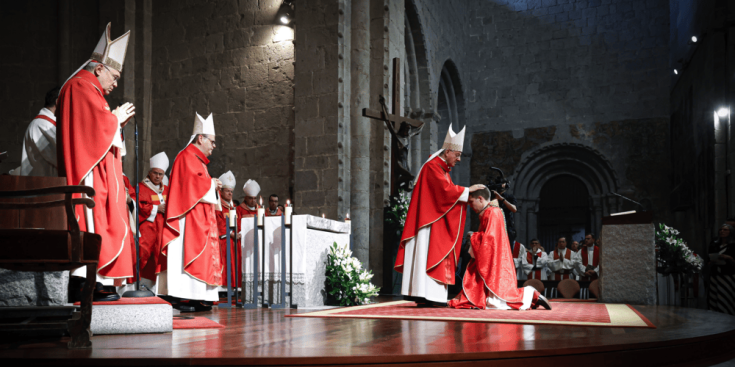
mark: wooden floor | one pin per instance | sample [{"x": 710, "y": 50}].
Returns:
[{"x": 265, "y": 337}]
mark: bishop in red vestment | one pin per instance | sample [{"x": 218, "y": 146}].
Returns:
[
  {"x": 432, "y": 234},
  {"x": 490, "y": 279},
  {"x": 90, "y": 150},
  {"x": 192, "y": 270},
  {"x": 249, "y": 206},
  {"x": 223, "y": 217},
  {"x": 153, "y": 194}
]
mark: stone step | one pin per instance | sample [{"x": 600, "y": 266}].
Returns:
[{"x": 126, "y": 318}]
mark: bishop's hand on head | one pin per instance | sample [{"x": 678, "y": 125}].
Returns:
[
  {"x": 476, "y": 187},
  {"x": 124, "y": 113}
]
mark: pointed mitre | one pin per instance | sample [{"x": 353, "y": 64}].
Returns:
[
  {"x": 228, "y": 180},
  {"x": 165, "y": 180},
  {"x": 202, "y": 126},
  {"x": 111, "y": 53},
  {"x": 454, "y": 141},
  {"x": 251, "y": 188},
  {"x": 160, "y": 161}
]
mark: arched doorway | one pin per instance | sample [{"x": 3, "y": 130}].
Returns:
[
  {"x": 581, "y": 163},
  {"x": 564, "y": 210}
]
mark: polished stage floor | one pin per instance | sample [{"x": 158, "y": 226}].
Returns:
[{"x": 265, "y": 337}]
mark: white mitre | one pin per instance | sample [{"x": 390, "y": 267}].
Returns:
[
  {"x": 251, "y": 188},
  {"x": 108, "y": 52},
  {"x": 202, "y": 126},
  {"x": 454, "y": 141},
  {"x": 160, "y": 161},
  {"x": 228, "y": 180}
]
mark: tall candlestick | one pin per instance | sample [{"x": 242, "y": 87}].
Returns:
[
  {"x": 261, "y": 212},
  {"x": 233, "y": 216},
  {"x": 289, "y": 212}
]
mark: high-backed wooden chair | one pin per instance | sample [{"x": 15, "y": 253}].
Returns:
[
  {"x": 568, "y": 288},
  {"x": 39, "y": 249},
  {"x": 595, "y": 288},
  {"x": 537, "y": 284}
]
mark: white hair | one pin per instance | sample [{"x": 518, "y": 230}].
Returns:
[{"x": 91, "y": 65}]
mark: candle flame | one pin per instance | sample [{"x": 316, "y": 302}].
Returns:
[
  {"x": 348, "y": 215},
  {"x": 288, "y": 202},
  {"x": 261, "y": 200},
  {"x": 323, "y": 215}
]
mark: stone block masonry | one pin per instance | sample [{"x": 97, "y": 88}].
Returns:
[{"x": 232, "y": 59}]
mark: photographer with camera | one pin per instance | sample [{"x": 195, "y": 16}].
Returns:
[{"x": 507, "y": 202}]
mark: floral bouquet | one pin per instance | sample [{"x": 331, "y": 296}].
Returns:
[
  {"x": 398, "y": 209},
  {"x": 673, "y": 255},
  {"x": 347, "y": 282}
]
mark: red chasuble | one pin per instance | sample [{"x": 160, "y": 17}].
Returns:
[
  {"x": 85, "y": 131},
  {"x": 222, "y": 218},
  {"x": 244, "y": 212},
  {"x": 190, "y": 182},
  {"x": 150, "y": 232},
  {"x": 492, "y": 270},
  {"x": 434, "y": 203}
]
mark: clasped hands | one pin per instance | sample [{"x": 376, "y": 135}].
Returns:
[{"x": 124, "y": 113}]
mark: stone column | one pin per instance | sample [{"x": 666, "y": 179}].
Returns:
[{"x": 360, "y": 130}]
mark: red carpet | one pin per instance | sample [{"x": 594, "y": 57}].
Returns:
[
  {"x": 131, "y": 301},
  {"x": 196, "y": 323},
  {"x": 563, "y": 313},
  {"x": 572, "y": 300}
]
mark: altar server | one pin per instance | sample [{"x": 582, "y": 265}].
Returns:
[
  {"x": 190, "y": 269},
  {"x": 519, "y": 252},
  {"x": 274, "y": 210},
  {"x": 38, "y": 157},
  {"x": 534, "y": 262},
  {"x": 89, "y": 151},
  {"x": 432, "y": 236},
  {"x": 589, "y": 265}
]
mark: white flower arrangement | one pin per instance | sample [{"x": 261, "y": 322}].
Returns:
[
  {"x": 674, "y": 254},
  {"x": 347, "y": 281}
]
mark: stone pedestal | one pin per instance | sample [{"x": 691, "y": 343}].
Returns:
[
  {"x": 628, "y": 264},
  {"x": 29, "y": 288},
  {"x": 132, "y": 318}
]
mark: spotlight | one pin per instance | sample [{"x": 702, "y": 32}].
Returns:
[
  {"x": 285, "y": 13},
  {"x": 676, "y": 72},
  {"x": 694, "y": 39},
  {"x": 723, "y": 112}
]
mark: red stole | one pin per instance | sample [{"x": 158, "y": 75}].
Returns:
[
  {"x": 85, "y": 132},
  {"x": 434, "y": 203},
  {"x": 516, "y": 249},
  {"x": 492, "y": 269},
  {"x": 535, "y": 274},
  {"x": 190, "y": 182},
  {"x": 222, "y": 218},
  {"x": 49, "y": 119},
  {"x": 595, "y": 256}
]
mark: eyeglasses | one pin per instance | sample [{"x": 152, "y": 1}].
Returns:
[
  {"x": 114, "y": 78},
  {"x": 213, "y": 142}
]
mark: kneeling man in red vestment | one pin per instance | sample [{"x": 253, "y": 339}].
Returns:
[{"x": 490, "y": 280}]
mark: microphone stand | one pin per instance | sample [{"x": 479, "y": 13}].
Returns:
[
  {"x": 631, "y": 200},
  {"x": 137, "y": 292}
]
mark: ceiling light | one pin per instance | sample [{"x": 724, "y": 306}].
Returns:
[
  {"x": 723, "y": 112},
  {"x": 676, "y": 72}
]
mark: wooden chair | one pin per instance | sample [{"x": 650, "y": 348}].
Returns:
[
  {"x": 537, "y": 284},
  {"x": 595, "y": 288},
  {"x": 568, "y": 288},
  {"x": 23, "y": 249}
]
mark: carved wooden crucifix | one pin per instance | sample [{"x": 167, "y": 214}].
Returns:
[{"x": 401, "y": 129}]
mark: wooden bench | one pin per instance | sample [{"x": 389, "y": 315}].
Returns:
[{"x": 40, "y": 250}]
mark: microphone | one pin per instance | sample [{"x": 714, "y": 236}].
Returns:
[{"x": 631, "y": 200}]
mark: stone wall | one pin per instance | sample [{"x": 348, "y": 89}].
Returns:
[{"x": 228, "y": 58}]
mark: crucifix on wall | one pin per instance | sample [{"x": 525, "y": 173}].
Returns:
[{"x": 402, "y": 129}]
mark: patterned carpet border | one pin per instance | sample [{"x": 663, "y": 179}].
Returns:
[{"x": 563, "y": 313}]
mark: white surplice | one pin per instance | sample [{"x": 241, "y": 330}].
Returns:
[
  {"x": 174, "y": 281},
  {"x": 39, "y": 147}
]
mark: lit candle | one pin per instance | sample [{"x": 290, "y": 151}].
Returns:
[
  {"x": 323, "y": 215},
  {"x": 261, "y": 212},
  {"x": 289, "y": 212},
  {"x": 233, "y": 216},
  {"x": 347, "y": 218}
]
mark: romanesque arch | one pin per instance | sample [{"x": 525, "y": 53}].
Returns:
[{"x": 552, "y": 160}]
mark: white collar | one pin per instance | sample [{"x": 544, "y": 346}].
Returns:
[
  {"x": 273, "y": 211},
  {"x": 46, "y": 112},
  {"x": 249, "y": 208}
]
